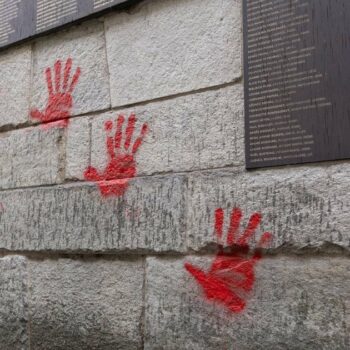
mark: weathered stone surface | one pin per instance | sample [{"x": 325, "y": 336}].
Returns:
[
  {"x": 13, "y": 303},
  {"x": 296, "y": 304},
  {"x": 150, "y": 216},
  {"x": 168, "y": 47},
  {"x": 305, "y": 206},
  {"x": 85, "y": 44},
  {"x": 200, "y": 131},
  {"x": 88, "y": 304},
  {"x": 30, "y": 157},
  {"x": 15, "y": 85},
  {"x": 78, "y": 147}
]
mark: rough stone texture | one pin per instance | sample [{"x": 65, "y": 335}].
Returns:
[
  {"x": 78, "y": 148},
  {"x": 150, "y": 216},
  {"x": 85, "y": 44},
  {"x": 88, "y": 304},
  {"x": 167, "y": 47},
  {"x": 13, "y": 303},
  {"x": 301, "y": 206},
  {"x": 176, "y": 64},
  {"x": 200, "y": 131},
  {"x": 30, "y": 157},
  {"x": 15, "y": 67},
  {"x": 296, "y": 304}
]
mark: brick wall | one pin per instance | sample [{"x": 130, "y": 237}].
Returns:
[{"x": 80, "y": 270}]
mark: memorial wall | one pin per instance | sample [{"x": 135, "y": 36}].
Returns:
[
  {"x": 128, "y": 217},
  {"x": 22, "y": 19},
  {"x": 297, "y": 75}
]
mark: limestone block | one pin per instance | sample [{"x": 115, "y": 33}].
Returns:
[
  {"x": 296, "y": 303},
  {"x": 14, "y": 317},
  {"x": 15, "y": 68},
  {"x": 163, "y": 48},
  {"x": 302, "y": 207},
  {"x": 199, "y": 131},
  {"x": 85, "y": 45},
  {"x": 149, "y": 217},
  {"x": 86, "y": 304},
  {"x": 30, "y": 157}
]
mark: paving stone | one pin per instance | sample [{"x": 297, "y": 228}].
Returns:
[
  {"x": 86, "y": 304},
  {"x": 297, "y": 303},
  {"x": 163, "y": 48}
]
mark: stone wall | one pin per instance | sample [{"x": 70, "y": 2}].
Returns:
[{"x": 84, "y": 270}]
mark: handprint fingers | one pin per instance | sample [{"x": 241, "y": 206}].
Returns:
[
  {"x": 129, "y": 131},
  {"x": 109, "y": 139},
  {"x": 121, "y": 165},
  {"x": 58, "y": 67},
  {"x": 67, "y": 70},
  {"x": 219, "y": 223},
  {"x": 139, "y": 140},
  {"x": 265, "y": 239},
  {"x": 236, "y": 216},
  {"x": 60, "y": 100},
  {"x": 66, "y": 75},
  {"x": 235, "y": 220},
  {"x": 254, "y": 222},
  {"x": 74, "y": 80},
  {"x": 231, "y": 274},
  {"x": 49, "y": 80},
  {"x": 119, "y": 132}
]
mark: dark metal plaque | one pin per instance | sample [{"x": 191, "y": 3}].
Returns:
[
  {"x": 23, "y": 19},
  {"x": 297, "y": 81}
]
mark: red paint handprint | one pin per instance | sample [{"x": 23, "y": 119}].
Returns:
[
  {"x": 231, "y": 275},
  {"x": 121, "y": 166},
  {"x": 60, "y": 101}
]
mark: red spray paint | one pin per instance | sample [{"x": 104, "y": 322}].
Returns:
[
  {"x": 231, "y": 275},
  {"x": 60, "y": 101},
  {"x": 121, "y": 166}
]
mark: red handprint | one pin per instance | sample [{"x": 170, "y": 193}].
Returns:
[
  {"x": 60, "y": 102},
  {"x": 121, "y": 165},
  {"x": 231, "y": 275}
]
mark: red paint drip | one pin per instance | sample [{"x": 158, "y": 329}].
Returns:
[
  {"x": 121, "y": 167},
  {"x": 231, "y": 275},
  {"x": 60, "y": 101}
]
